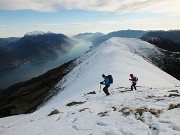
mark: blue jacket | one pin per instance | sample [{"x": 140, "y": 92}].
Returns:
[{"x": 106, "y": 81}]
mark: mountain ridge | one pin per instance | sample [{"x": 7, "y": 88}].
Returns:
[
  {"x": 146, "y": 111},
  {"x": 121, "y": 33},
  {"x": 36, "y": 48}
]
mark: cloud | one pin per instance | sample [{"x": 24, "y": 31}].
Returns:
[
  {"x": 2, "y": 26},
  {"x": 119, "y": 6},
  {"x": 72, "y": 24},
  {"x": 55, "y": 25}
]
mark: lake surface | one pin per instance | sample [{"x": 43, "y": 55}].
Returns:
[{"x": 26, "y": 72}]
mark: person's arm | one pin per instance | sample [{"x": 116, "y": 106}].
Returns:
[{"x": 103, "y": 82}]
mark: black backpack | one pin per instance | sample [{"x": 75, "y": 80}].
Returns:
[
  {"x": 136, "y": 79},
  {"x": 110, "y": 79}
]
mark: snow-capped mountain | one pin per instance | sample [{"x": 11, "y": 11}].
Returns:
[
  {"x": 88, "y": 36},
  {"x": 37, "y": 33},
  {"x": 82, "y": 108},
  {"x": 35, "y": 47}
]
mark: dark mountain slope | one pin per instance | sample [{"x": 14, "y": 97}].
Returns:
[
  {"x": 173, "y": 35},
  {"x": 166, "y": 44}
]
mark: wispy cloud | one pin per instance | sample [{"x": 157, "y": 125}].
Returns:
[
  {"x": 2, "y": 26},
  {"x": 55, "y": 25},
  {"x": 121, "y": 6},
  {"x": 72, "y": 24}
]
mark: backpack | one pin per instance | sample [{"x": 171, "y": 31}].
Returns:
[
  {"x": 110, "y": 79},
  {"x": 136, "y": 79}
]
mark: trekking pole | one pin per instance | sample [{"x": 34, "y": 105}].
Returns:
[{"x": 100, "y": 88}]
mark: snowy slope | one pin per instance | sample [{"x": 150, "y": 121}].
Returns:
[{"x": 124, "y": 112}]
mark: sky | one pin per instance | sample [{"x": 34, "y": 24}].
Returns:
[{"x": 71, "y": 17}]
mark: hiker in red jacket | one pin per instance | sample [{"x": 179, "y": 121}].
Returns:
[{"x": 134, "y": 81}]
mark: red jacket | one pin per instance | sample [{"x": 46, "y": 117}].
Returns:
[{"x": 133, "y": 79}]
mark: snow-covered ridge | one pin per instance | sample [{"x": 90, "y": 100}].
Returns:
[
  {"x": 119, "y": 57},
  {"x": 117, "y": 114},
  {"x": 36, "y": 33}
]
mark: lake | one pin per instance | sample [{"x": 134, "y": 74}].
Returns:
[{"x": 28, "y": 71}]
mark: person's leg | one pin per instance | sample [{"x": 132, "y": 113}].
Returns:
[
  {"x": 134, "y": 86},
  {"x": 105, "y": 89}
]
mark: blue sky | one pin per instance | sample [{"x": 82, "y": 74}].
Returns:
[{"x": 71, "y": 17}]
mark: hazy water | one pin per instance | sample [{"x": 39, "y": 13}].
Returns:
[{"x": 26, "y": 72}]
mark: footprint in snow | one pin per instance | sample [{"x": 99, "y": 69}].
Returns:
[
  {"x": 101, "y": 124},
  {"x": 165, "y": 121},
  {"x": 111, "y": 133},
  {"x": 72, "y": 120},
  {"x": 75, "y": 127},
  {"x": 175, "y": 127}
]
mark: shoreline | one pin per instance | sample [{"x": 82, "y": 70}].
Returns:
[{"x": 26, "y": 97}]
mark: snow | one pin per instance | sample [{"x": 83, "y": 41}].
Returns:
[
  {"x": 117, "y": 114},
  {"x": 36, "y": 33}
]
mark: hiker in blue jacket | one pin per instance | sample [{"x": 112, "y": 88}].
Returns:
[{"x": 106, "y": 82}]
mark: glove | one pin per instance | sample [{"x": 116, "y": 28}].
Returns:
[{"x": 101, "y": 82}]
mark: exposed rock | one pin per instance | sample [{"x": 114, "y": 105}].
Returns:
[
  {"x": 176, "y": 91},
  {"x": 53, "y": 112},
  {"x": 83, "y": 109},
  {"x": 174, "y": 95},
  {"x": 75, "y": 103}
]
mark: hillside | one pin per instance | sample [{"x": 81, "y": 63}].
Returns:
[
  {"x": 151, "y": 110},
  {"x": 172, "y": 35},
  {"x": 163, "y": 43},
  {"x": 170, "y": 47},
  {"x": 43, "y": 46},
  {"x": 35, "y": 47}
]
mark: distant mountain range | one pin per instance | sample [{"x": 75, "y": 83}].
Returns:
[
  {"x": 75, "y": 85},
  {"x": 33, "y": 47},
  {"x": 121, "y": 33},
  {"x": 173, "y": 35},
  {"x": 163, "y": 43},
  {"x": 5, "y": 42},
  {"x": 89, "y": 36},
  {"x": 39, "y": 46},
  {"x": 168, "y": 40}
]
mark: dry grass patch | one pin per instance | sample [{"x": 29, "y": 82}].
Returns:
[
  {"x": 157, "y": 98},
  {"x": 173, "y": 106},
  {"x": 102, "y": 114},
  {"x": 126, "y": 111},
  {"x": 139, "y": 111}
]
